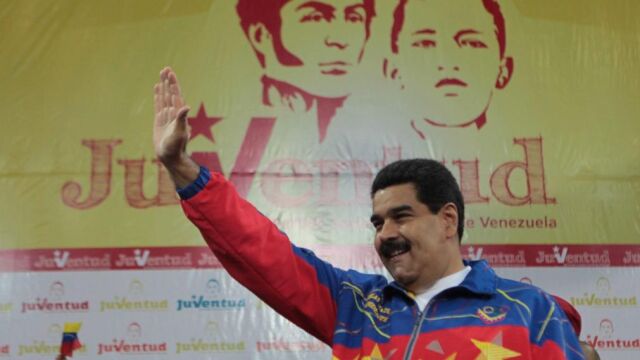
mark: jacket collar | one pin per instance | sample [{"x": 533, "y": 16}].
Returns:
[{"x": 481, "y": 280}]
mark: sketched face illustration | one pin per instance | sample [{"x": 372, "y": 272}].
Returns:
[
  {"x": 136, "y": 287},
  {"x": 56, "y": 290},
  {"x": 213, "y": 286},
  {"x": 211, "y": 328},
  {"x": 313, "y": 45},
  {"x": 606, "y": 328},
  {"x": 134, "y": 330},
  {"x": 450, "y": 56},
  {"x": 603, "y": 286}
]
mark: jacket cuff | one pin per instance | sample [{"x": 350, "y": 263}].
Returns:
[{"x": 192, "y": 189}]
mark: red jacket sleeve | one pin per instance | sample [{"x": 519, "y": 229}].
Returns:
[{"x": 257, "y": 254}]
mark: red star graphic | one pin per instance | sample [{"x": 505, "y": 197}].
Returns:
[{"x": 201, "y": 124}]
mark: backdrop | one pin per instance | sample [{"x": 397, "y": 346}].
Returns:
[{"x": 532, "y": 104}]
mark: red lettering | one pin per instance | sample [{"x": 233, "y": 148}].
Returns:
[
  {"x": 390, "y": 154},
  {"x": 533, "y": 168},
  {"x": 133, "y": 185},
  {"x": 470, "y": 181},
  {"x": 363, "y": 177},
  {"x": 251, "y": 151},
  {"x": 319, "y": 181},
  {"x": 283, "y": 171},
  {"x": 329, "y": 181},
  {"x": 330, "y": 171},
  {"x": 100, "y": 178},
  {"x": 208, "y": 159}
]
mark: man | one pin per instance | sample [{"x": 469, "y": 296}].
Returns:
[
  {"x": 449, "y": 56},
  {"x": 438, "y": 306},
  {"x": 308, "y": 50}
]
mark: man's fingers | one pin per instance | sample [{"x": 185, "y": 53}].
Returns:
[
  {"x": 168, "y": 98},
  {"x": 174, "y": 88},
  {"x": 165, "y": 72},
  {"x": 157, "y": 99},
  {"x": 171, "y": 76},
  {"x": 157, "y": 104},
  {"x": 170, "y": 89},
  {"x": 161, "y": 117},
  {"x": 163, "y": 77},
  {"x": 166, "y": 92},
  {"x": 177, "y": 101},
  {"x": 176, "y": 97}
]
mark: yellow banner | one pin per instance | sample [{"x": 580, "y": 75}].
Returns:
[{"x": 532, "y": 104}]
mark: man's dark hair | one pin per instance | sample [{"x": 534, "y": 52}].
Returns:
[
  {"x": 435, "y": 185},
  {"x": 491, "y": 6},
  {"x": 267, "y": 12}
]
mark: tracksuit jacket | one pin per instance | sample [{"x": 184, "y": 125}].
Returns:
[{"x": 364, "y": 316}]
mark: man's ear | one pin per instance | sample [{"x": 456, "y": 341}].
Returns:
[
  {"x": 391, "y": 71},
  {"x": 506, "y": 70},
  {"x": 260, "y": 38},
  {"x": 449, "y": 213}
]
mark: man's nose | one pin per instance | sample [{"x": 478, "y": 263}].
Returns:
[
  {"x": 449, "y": 68},
  {"x": 338, "y": 35},
  {"x": 450, "y": 56},
  {"x": 389, "y": 231},
  {"x": 339, "y": 42}
]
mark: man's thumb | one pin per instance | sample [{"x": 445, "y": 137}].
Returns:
[{"x": 182, "y": 117}]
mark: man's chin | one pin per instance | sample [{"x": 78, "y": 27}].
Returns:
[
  {"x": 327, "y": 92},
  {"x": 403, "y": 279},
  {"x": 452, "y": 121},
  {"x": 400, "y": 274},
  {"x": 327, "y": 85}
]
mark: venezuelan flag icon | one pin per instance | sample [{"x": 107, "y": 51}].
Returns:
[{"x": 70, "y": 340}]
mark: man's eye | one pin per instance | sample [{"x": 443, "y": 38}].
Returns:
[
  {"x": 354, "y": 17},
  {"x": 402, "y": 216},
  {"x": 425, "y": 43},
  {"x": 316, "y": 16},
  {"x": 476, "y": 44}
]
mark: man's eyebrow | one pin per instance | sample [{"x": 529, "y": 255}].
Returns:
[
  {"x": 353, "y": 7},
  {"x": 392, "y": 212},
  {"x": 398, "y": 209},
  {"x": 317, "y": 5},
  {"x": 461, "y": 33},
  {"x": 424, "y": 31}
]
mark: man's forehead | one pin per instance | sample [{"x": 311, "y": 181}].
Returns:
[
  {"x": 446, "y": 16},
  {"x": 395, "y": 195},
  {"x": 335, "y": 4},
  {"x": 382, "y": 212}
]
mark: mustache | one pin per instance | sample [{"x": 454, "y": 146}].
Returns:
[{"x": 389, "y": 247}]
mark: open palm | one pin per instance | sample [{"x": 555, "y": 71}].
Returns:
[{"x": 170, "y": 133}]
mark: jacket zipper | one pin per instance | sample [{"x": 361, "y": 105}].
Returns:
[{"x": 415, "y": 333}]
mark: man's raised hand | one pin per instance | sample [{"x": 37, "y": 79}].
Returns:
[{"x": 170, "y": 133}]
